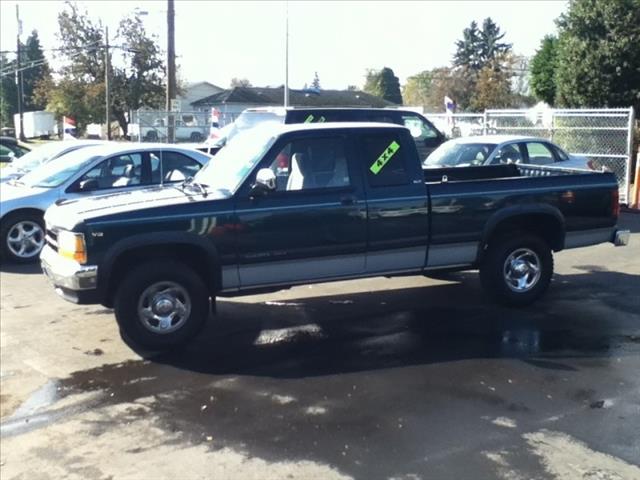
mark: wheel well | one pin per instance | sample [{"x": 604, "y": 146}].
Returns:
[
  {"x": 22, "y": 211},
  {"x": 547, "y": 227},
  {"x": 191, "y": 255}
]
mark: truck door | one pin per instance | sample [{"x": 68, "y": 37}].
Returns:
[
  {"x": 397, "y": 203},
  {"x": 313, "y": 226}
]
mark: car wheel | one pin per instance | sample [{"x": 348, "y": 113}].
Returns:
[
  {"x": 161, "y": 305},
  {"x": 22, "y": 237},
  {"x": 196, "y": 137},
  {"x": 517, "y": 269}
]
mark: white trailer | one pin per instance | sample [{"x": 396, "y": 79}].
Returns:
[{"x": 36, "y": 124}]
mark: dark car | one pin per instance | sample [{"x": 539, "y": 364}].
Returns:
[
  {"x": 425, "y": 135},
  {"x": 10, "y": 149}
]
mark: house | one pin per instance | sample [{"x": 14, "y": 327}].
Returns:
[
  {"x": 230, "y": 103},
  {"x": 195, "y": 91}
]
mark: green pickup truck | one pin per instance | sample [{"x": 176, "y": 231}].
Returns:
[{"x": 285, "y": 205}]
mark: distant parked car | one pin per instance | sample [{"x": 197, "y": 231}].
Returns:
[
  {"x": 42, "y": 154},
  {"x": 503, "y": 149},
  {"x": 10, "y": 149},
  {"x": 94, "y": 170}
]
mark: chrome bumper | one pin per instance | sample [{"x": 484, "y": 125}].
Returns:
[
  {"x": 67, "y": 273},
  {"x": 621, "y": 238}
]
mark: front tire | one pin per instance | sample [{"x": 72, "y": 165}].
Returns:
[
  {"x": 22, "y": 237},
  {"x": 161, "y": 305},
  {"x": 517, "y": 269}
]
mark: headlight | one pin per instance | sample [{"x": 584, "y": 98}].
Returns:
[{"x": 71, "y": 245}]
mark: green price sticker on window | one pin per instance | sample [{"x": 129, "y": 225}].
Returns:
[
  {"x": 309, "y": 119},
  {"x": 383, "y": 159}
]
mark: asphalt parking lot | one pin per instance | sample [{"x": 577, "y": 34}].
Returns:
[{"x": 408, "y": 378}]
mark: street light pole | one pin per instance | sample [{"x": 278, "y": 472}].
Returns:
[
  {"x": 286, "y": 56},
  {"x": 171, "y": 67},
  {"x": 19, "y": 77},
  {"x": 106, "y": 83}
]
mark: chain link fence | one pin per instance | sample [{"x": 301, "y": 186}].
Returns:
[
  {"x": 171, "y": 127},
  {"x": 604, "y": 136}
]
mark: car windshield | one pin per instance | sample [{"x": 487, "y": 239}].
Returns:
[
  {"x": 39, "y": 155},
  {"x": 231, "y": 166},
  {"x": 454, "y": 154},
  {"x": 56, "y": 172},
  {"x": 248, "y": 120}
]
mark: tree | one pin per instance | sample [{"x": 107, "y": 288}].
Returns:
[
  {"x": 543, "y": 70},
  {"x": 8, "y": 91},
  {"x": 383, "y": 83},
  {"x": 416, "y": 90},
  {"x": 598, "y": 59},
  {"x": 493, "y": 86},
  {"x": 315, "y": 84},
  {"x": 450, "y": 82},
  {"x": 479, "y": 47},
  {"x": 240, "y": 82},
  {"x": 137, "y": 70},
  {"x": 32, "y": 56}
]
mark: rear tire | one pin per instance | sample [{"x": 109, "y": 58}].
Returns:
[
  {"x": 161, "y": 305},
  {"x": 517, "y": 269}
]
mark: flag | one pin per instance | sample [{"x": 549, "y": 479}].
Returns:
[
  {"x": 68, "y": 128},
  {"x": 449, "y": 105}
]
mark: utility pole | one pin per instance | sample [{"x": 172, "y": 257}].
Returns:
[
  {"x": 19, "y": 76},
  {"x": 106, "y": 83},
  {"x": 286, "y": 56},
  {"x": 171, "y": 68}
]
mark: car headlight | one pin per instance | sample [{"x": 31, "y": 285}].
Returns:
[{"x": 71, "y": 245}]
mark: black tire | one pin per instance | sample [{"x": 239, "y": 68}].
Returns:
[
  {"x": 133, "y": 292},
  {"x": 196, "y": 137},
  {"x": 7, "y": 228},
  {"x": 495, "y": 273},
  {"x": 151, "y": 136}
]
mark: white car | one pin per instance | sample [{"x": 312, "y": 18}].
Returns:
[
  {"x": 503, "y": 149},
  {"x": 42, "y": 154},
  {"x": 95, "y": 170}
]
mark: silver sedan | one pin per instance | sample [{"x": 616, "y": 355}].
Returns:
[
  {"x": 502, "y": 149},
  {"x": 93, "y": 170}
]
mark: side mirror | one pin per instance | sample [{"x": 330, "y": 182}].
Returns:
[
  {"x": 265, "y": 182},
  {"x": 88, "y": 185}
]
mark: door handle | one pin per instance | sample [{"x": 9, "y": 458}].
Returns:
[{"x": 347, "y": 200}]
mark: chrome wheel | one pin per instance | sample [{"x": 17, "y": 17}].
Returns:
[
  {"x": 25, "y": 239},
  {"x": 522, "y": 270},
  {"x": 164, "y": 307}
]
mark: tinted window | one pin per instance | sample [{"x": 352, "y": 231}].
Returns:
[
  {"x": 508, "y": 154},
  {"x": 176, "y": 167},
  {"x": 119, "y": 171},
  {"x": 420, "y": 130},
  {"x": 321, "y": 116},
  {"x": 384, "y": 160},
  {"x": 311, "y": 164},
  {"x": 539, "y": 153}
]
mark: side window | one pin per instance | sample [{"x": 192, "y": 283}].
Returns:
[
  {"x": 115, "y": 172},
  {"x": 384, "y": 160},
  {"x": 561, "y": 154},
  {"x": 420, "y": 130},
  {"x": 177, "y": 167},
  {"x": 539, "y": 153},
  {"x": 508, "y": 154},
  {"x": 311, "y": 164}
]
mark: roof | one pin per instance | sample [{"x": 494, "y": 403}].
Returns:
[
  {"x": 300, "y": 98},
  {"x": 272, "y": 128},
  {"x": 496, "y": 138},
  {"x": 109, "y": 148}
]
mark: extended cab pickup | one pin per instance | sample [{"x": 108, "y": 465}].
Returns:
[{"x": 353, "y": 202}]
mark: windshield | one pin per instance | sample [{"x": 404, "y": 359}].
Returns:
[
  {"x": 56, "y": 172},
  {"x": 248, "y": 120},
  {"x": 231, "y": 166},
  {"x": 39, "y": 155},
  {"x": 453, "y": 154}
]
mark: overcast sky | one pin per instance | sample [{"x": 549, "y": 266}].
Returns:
[{"x": 216, "y": 41}]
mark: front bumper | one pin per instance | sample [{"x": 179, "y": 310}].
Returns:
[{"x": 72, "y": 281}]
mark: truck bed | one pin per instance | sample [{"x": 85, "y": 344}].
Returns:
[{"x": 489, "y": 172}]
